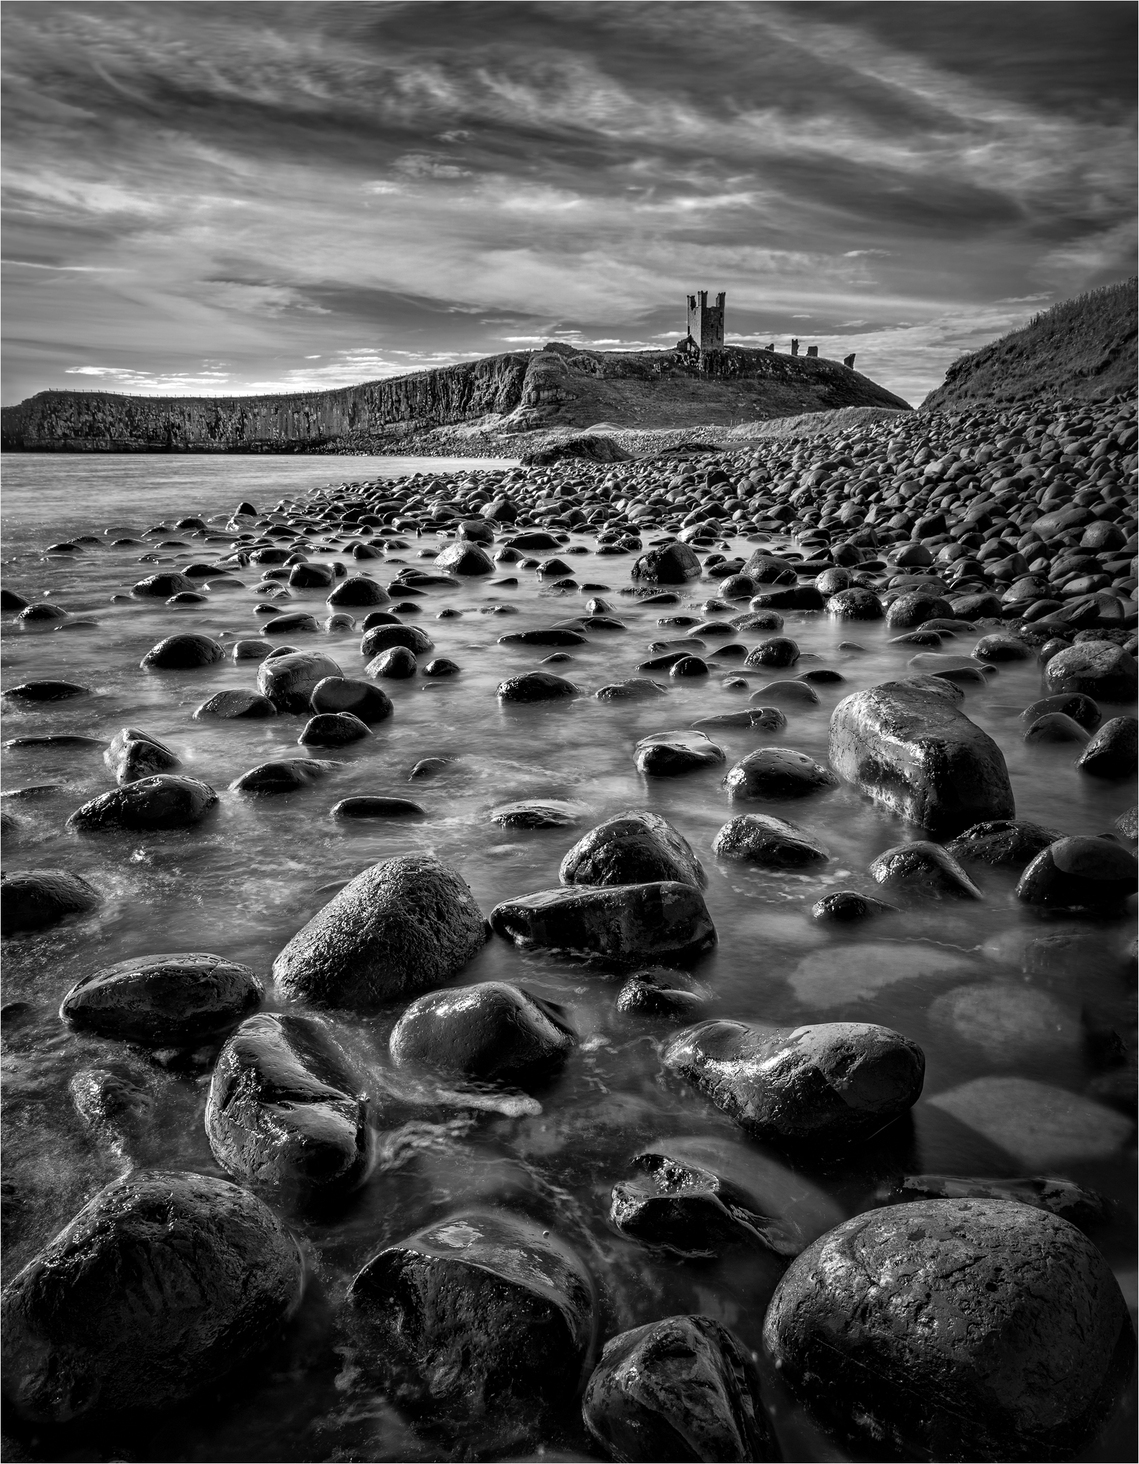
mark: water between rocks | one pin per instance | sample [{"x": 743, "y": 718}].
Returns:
[{"x": 1010, "y": 1064}]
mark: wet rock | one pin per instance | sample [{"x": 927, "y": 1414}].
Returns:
[
  {"x": 682, "y": 1387},
  {"x": 925, "y": 869},
  {"x": 662, "y": 920},
  {"x": 358, "y": 590},
  {"x": 397, "y": 663},
  {"x": 1000, "y": 648},
  {"x": 669, "y": 754},
  {"x": 1113, "y": 751},
  {"x": 1055, "y": 727},
  {"x": 777, "y": 772},
  {"x": 1127, "y": 823},
  {"x": 788, "y": 693},
  {"x": 688, "y": 666},
  {"x": 364, "y": 699},
  {"x": 1100, "y": 669},
  {"x": 440, "y": 668},
  {"x": 384, "y": 637},
  {"x": 668, "y": 564},
  {"x": 287, "y": 1112},
  {"x": 10, "y": 600},
  {"x": 844, "y": 906},
  {"x": 915, "y": 608},
  {"x": 535, "y": 814},
  {"x": 554, "y": 635},
  {"x": 476, "y": 1326},
  {"x": 160, "y": 1287},
  {"x": 1079, "y": 872},
  {"x": 1081, "y": 1207},
  {"x": 34, "y": 692},
  {"x": 176, "y": 1000},
  {"x": 285, "y": 775},
  {"x": 1081, "y": 709},
  {"x": 295, "y": 623},
  {"x": 908, "y": 746},
  {"x": 855, "y": 604},
  {"x": 333, "y": 729},
  {"x": 636, "y": 688},
  {"x": 760, "y": 838},
  {"x": 465, "y": 558},
  {"x": 1003, "y": 843},
  {"x": 1029, "y": 1377},
  {"x": 632, "y": 848},
  {"x": 183, "y": 652},
  {"x": 535, "y": 686},
  {"x": 33, "y": 899},
  {"x": 132, "y": 755},
  {"x": 168, "y": 801},
  {"x": 251, "y": 649},
  {"x": 827, "y": 1084},
  {"x": 290, "y": 680},
  {"x": 658, "y": 991},
  {"x": 427, "y": 767},
  {"x": 236, "y": 705},
  {"x": 397, "y": 928},
  {"x": 308, "y": 576},
  {"x": 779, "y": 650},
  {"x": 161, "y": 586},
  {"x": 372, "y": 806},
  {"x": 489, "y": 1032}
]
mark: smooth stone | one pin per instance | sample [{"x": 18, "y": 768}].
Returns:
[
  {"x": 760, "y": 838},
  {"x": 855, "y": 604},
  {"x": 489, "y": 1032},
  {"x": 636, "y": 688},
  {"x": 669, "y": 754},
  {"x": 654, "y": 992},
  {"x": 759, "y": 620},
  {"x": 827, "y": 1084},
  {"x": 1081, "y": 1207},
  {"x": 915, "y": 608},
  {"x": 787, "y": 693},
  {"x": 536, "y": 814},
  {"x": 333, "y": 729},
  {"x": 845, "y": 905},
  {"x": 285, "y": 775},
  {"x": 632, "y": 848},
  {"x": 840, "y": 975},
  {"x": 1113, "y": 751},
  {"x": 535, "y": 686},
  {"x": 1081, "y": 709},
  {"x": 175, "y": 1000},
  {"x": 952, "y": 1329},
  {"x": 907, "y": 745},
  {"x": 923, "y": 868},
  {"x": 309, "y": 576},
  {"x": 668, "y": 564},
  {"x": 294, "y": 623},
  {"x": 233, "y": 705},
  {"x": 162, "y": 1286},
  {"x": 1080, "y": 872},
  {"x": 779, "y": 651},
  {"x": 1037, "y": 1124},
  {"x": 465, "y": 558},
  {"x": 1099, "y": 669},
  {"x": 682, "y": 1387},
  {"x": 132, "y": 755},
  {"x": 372, "y": 806},
  {"x": 364, "y": 699},
  {"x": 287, "y": 1111},
  {"x": 777, "y": 772},
  {"x": 251, "y": 650},
  {"x": 289, "y": 680},
  {"x": 554, "y": 636},
  {"x": 183, "y": 652},
  {"x": 661, "y": 920},
  {"x": 384, "y": 637},
  {"x": 358, "y": 590},
  {"x": 46, "y": 691},
  {"x": 1055, "y": 727},
  {"x": 32, "y": 899},
  {"x": 1004, "y": 843},
  {"x": 161, "y": 586},
  {"x": 1128, "y": 823},
  {"x": 684, "y": 666},
  {"x": 401, "y": 926},
  {"x": 397, "y": 663},
  {"x": 167, "y": 801},
  {"x": 440, "y": 668}
]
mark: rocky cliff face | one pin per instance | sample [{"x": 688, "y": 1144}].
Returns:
[{"x": 514, "y": 393}]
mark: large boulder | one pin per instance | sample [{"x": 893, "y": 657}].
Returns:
[
  {"x": 287, "y": 1112},
  {"x": 826, "y": 1084},
  {"x": 32, "y": 899},
  {"x": 160, "y": 1287},
  {"x": 668, "y": 564},
  {"x": 660, "y": 921},
  {"x": 634, "y": 847},
  {"x": 909, "y": 746},
  {"x": 477, "y": 1326},
  {"x": 1099, "y": 669},
  {"x": 680, "y": 1388},
  {"x": 487, "y": 1032},
  {"x": 289, "y": 681},
  {"x": 163, "y": 1001},
  {"x": 163, "y": 802},
  {"x": 953, "y": 1329},
  {"x": 398, "y": 928}
]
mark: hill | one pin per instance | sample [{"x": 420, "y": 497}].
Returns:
[
  {"x": 503, "y": 396},
  {"x": 1081, "y": 348}
]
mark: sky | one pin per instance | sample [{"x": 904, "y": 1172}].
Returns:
[{"x": 232, "y": 198}]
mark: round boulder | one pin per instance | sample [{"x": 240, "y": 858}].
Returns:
[
  {"x": 163, "y": 1001},
  {"x": 32, "y": 899},
  {"x": 487, "y": 1032},
  {"x": 777, "y": 772},
  {"x": 760, "y": 838},
  {"x": 1081, "y": 872},
  {"x": 182, "y": 653},
  {"x": 1100, "y": 669},
  {"x": 634, "y": 847},
  {"x": 358, "y": 590},
  {"x": 364, "y": 699},
  {"x": 163, "y": 802},
  {"x": 289, "y": 680}
]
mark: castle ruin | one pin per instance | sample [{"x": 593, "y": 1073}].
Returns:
[{"x": 706, "y": 322}]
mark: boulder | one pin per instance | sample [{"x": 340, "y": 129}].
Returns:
[
  {"x": 384, "y": 637},
  {"x": 397, "y": 663},
  {"x": 908, "y": 746},
  {"x": 161, "y": 586},
  {"x": 487, "y": 1032},
  {"x": 761, "y": 838},
  {"x": 182, "y": 652},
  {"x": 544, "y": 813},
  {"x": 176, "y": 1000},
  {"x": 364, "y": 699},
  {"x": 662, "y": 920},
  {"x": 308, "y": 576},
  {"x": 1074, "y": 704},
  {"x": 553, "y": 635},
  {"x": 398, "y": 928},
  {"x": 634, "y": 688},
  {"x": 32, "y": 899},
  {"x": 289, "y": 680},
  {"x": 35, "y": 692},
  {"x": 1055, "y": 727},
  {"x": 1113, "y": 751},
  {"x": 1081, "y": 872},
  {"x": 855, "y": 604},
  {"x": 777, "y": 772},
  {"x": 234, "y": 705},
  {"x": 842, "y": 906},
  {"x": 1100, "y": 669},
  {"x": 285, "y": 775},
  {"x": 953, "y": 1329},
  {"x": 296, "y": 622},
  {"x": 164, "y": 802},
  {"x": 465, "y": 558},
  {"x": 778, "y": 650},
  {"x": 535, "y": 686},
  {"x": 1084, "y": 1208},
  {"x": 659, "y": 991},
  {"x": 160, "y": 1287},
  {"x": 477, "y": 1326},
  {"x": 1001, "y": 647},
  {"x": 668, "y": 754},
  {"x": 358, "y": 590},
  {"x": 132, "y": 755},
  {"x": 287, "y": 1111},
  {"x": 679, "y": 1388},
  {"x": 1004, "y": 843},
  {"x": 333, "y": 729},
  {"x": 371, "y": 806},
  {"x": 827, "y": 1084},
  {"x": 925, "y": 869},
  {"x": 634, "y": 847}
]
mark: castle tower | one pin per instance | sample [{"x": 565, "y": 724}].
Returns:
[{"x": 706, "y": 322}]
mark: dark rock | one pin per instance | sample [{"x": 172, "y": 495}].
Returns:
[
  {"x": 333, "y": 729},
  {"x": 925, "y": 869},
  {"x": 790, "y": 693},
  {"x": 1029, "y": 1376},
  {"x": 636, "y": 688},
  {"x": 538, "y": 539},
  {"x": 397, "y": 663},
  {"x": 477, "y": 1326},
  {"x": 1079, "y": 872},
  {"x": 308, "y": 576},
  {"x": 668, "y": 564},
  {"x": 680, "y": 1388},
  {"x": 634, "y": 847},
  {"x": 489, "y": 1032},
  {"x": 160, "y": 1287},
  {"x": 1128, "y": 823},
  {"x": 427, "y": 767},
  {"x": 777, "y": 772},
  {"x": 1080, "y": 1207},
  {"x": 915, "y": 608},
  {"x": 760, "y": 838},
  {"x": 290, "y": 680},
  {"x": 855, "y": 604},
  {"x": 400, "y": 927},
  {"x": 1004, "y": 843},
  {"x": 779, "y": 651},
  {"x": 161, "y": 586},
  {"x": 1055, "y": 727},
  {"x": 759, "y": 620},
  {"x": 441, "y": 668},
  {"x": 908, "y": 746},
  {"x": 662, "y": 920},
  {"x": 555, "y": 635},
  {"x": 356, "y": 590},
  {"x": 1080, "y": 708},
  {"x": 384, "y": 637},
  {"x": 285, "y": 775},
  {"x": 1100, "y": 669},
  {"x": 535, "y": 686},
  {"x": 1000, "y": 647},
  {"x": 46, "y": 691},
  {"x": 132, "y": 755},
  {"x": 168, "y": 801},
  {"x": 1113, "y": 751},
  {"x": 688, "y": 666},
  {"x": 655, "y": 992},
  {"x": 842, "y": 906},
  {"x": 369, "y": 806},
  {"x": 826, "y": 1084},
  {"x": 287, "y": 1113},
  {"x": 251, "y": 649},
  {"x": 668, "y": 754},
  {"x": 535, "y": 814},
  {"x": 465, "y": 558},
  {"x": 234, "y": 705},
  {"x": 32, "y": 899},
  {"x": 183, "y": 652},
  {"x": 364, "y": 699},
  {"x": 297, "y": 622},
  {"x": 10, "y": 600},
  {"x": 174, "y": 1000}
]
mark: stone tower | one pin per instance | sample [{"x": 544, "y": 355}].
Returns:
[{"x": 706, "y": 322}]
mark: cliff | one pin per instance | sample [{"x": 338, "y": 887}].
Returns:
[
  {"x": 558, "y": 386},
  {"x": 1080, "y": 348}
]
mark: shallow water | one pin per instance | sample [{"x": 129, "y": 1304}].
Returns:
[{"x": 1007, "y": 1062}]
